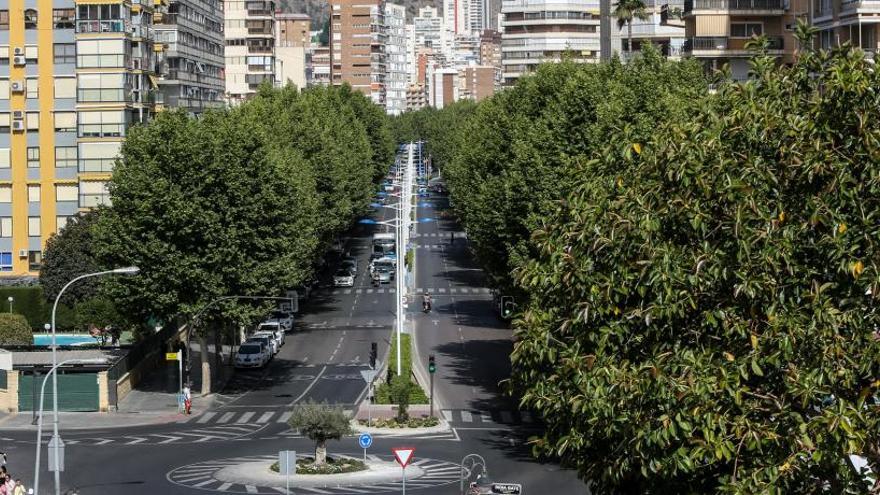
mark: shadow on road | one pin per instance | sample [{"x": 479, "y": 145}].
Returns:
[{"x": 465, "y": 364}]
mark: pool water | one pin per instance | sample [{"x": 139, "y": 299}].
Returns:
[{"x": 63, "y": 339}]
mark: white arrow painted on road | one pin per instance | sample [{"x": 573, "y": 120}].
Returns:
[
  {"x": 104, "y": 441},
  {"x": 168, "y": 437},
  {"x": 136, "y": 440}
]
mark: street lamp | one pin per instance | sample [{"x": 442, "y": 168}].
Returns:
[
  {"x": 58, "y": 445},
  {"x": 129, "y": 270}
]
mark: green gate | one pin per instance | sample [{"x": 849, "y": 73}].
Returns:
[{"x": 76, "y": 392}]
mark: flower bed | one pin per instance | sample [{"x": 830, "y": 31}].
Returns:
[
  {"x": 393, "y": 423},
  {"x": 334, "y": 465}
]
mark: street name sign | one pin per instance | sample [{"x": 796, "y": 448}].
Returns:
[
  {"x": 507, "y": 488},
  {"x": 171, "y": 356}
]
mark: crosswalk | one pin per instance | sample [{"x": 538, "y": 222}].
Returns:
[
  {"x": 469, "y": 417},
  {"x": 420, "y": 290},
  {"x": 445, "y": 234}
]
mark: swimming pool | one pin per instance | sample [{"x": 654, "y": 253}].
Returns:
[{"x": 63, "y": 339}]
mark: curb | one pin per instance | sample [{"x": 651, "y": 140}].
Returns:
[
  {"x": 47, "y": 419},
  {"x": 443, "y": 427}
]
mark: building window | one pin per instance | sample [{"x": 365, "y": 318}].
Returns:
[
  {"x": 33, "y": 193},
  {"x": 5, "y": 226},
  {"x": 4, "y": 20},
  {"x": 101, "y": 124},
  {"x": 33, "y": 157},
  {"x": 4, "y": 158},
  {"x": 6, "y": 193},
  {"x": 61, "y": 221},
  {"x": 31, "y": 53},
  {"x": 32, "y": 88},
  {"x": 66, "y": 192},
  {"x": 64, "y": 53},
  {"x": 30, "y": 19},
  {"x": 101, "y": 87},
  {"x": 4, "y": 89},
  {"x": 92, "y": 194},
  {"x": 63, "y": 18},
  {"x": 65, "y": 121},
  {"x": 65, "y": 87},
  {"x": 33, "y": 121},
  {"x": 4, "y": 122},
  {"x": 5, "y": 262},
  {"x": 34, "y": 226},
  {"x": 35, "y": 260},
  {"x": 65, "y": 156},
  {"x": 101, "y": 53},
  {"x": 746, "y": 29}
]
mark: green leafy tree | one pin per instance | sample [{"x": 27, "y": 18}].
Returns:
[
  {"x": 69, "y": 254},
  {"x": 703, "y": 314},
  {"x": 627, "y": 10},
  {"x": 513, "y": 156},
  {"x": 320, "y": 422},
  {"x": 14, "y": 330},
  {"x": 401, "y": 388}
]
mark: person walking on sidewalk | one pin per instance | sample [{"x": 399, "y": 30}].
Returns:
[{"x": 187, "y": 399}]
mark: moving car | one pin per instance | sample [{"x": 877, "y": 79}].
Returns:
[
  {"x": 253, "y": 355},
  {"x": 343, "y": 278},
  {"x": 266, "y": 340},
  {"x": 385, "y": 264},
  {"x": 350, "y": 263},
  {"x": 383, "y": 276}
]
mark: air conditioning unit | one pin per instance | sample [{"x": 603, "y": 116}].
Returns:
[
  {"x": 19, "y": 60},
  {"x": 16, "y": 86},
  {"x": 18, "y": 126},
  {"x": 18, "y": 115},
  {"x": 22, "y": 253},
  {"x": 18, "y": 51}
]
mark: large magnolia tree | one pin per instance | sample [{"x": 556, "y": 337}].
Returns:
[{"x": 703, "y": 313}]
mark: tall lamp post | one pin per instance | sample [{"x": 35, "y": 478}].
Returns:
[
  {"x": 56, "y": 440},
  {"x": 57, "y": 446}
]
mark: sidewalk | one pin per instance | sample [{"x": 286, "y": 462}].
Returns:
[{"x": 152, "y": 402}]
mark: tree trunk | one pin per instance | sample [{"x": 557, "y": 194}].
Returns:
[
  {"x": 320, "y": 453},
  {"x": 629, "y": 39}
]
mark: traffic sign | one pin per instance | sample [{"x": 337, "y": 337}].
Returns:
[
  {"x": 365, "y": 440},
  {"x": 403, "y": 455},
  {"x": 369, "y": 375},
  {"x": 171, "y": 356}
]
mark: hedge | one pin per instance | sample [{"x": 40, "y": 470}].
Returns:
[{"x": 30, "y": 302}]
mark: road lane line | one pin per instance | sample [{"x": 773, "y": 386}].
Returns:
[
  {"x": 265, "y": 417},
  {"x": 466, "y": 417},
  {"x": 226, "y": 417},
  {"x": 224, "y": 487},
  {"x": 246, "y": 417},
  {"x": 320, "y": 373},
  {"x": 485, "y": 417},
  {"x": 284, "y": 417}
]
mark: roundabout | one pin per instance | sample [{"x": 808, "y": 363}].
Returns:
[{"x": 252, "y": 474}]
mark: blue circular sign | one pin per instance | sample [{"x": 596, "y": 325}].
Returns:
[{"x": 365, "y": 440}]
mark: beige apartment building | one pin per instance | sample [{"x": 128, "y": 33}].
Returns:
[
  {"x": 717, "y": 31},
  {"x": 357, "y": 46},
  {"x": 250, "y": 47},
  {"x": 292, "y": 40},
  {"x": 841, "y": 21},
  {"x": 476, "y": 82}
]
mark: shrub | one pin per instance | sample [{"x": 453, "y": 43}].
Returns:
[{"x": 14, "y": 330}]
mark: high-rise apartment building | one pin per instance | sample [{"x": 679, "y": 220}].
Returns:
[
  {"x": 75, "y": 76},
  {"x": 490, "y": 51},
  {"x": 537, "y": 31},
  {"x": 442, "y": 87},
  {"x": 717, "y": 30},
  {"x": 395, "y": 59},
  {"x": 357, "y": 46},
  {"x": 318, "y": 65},
  {"x": 192, "y": 66},
  {"x": 841, "y": 21},
  {"x": 250, "y": 47},
  {"x": 476, "y": 82},
  {"x": 292, "y": 41},
  {"x": 428, "y": 27},
  {"x": 663, "y": 28}
]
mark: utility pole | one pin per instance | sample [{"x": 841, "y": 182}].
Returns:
[{"x": 604, "y": 30}]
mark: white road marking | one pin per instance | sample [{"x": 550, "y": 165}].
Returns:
[
  {"x": 485, "y": 417},
  {"x": 226, "y": 417},
  {"x": 303, "y": 394},
  {"x": 251, "y": 489},
  {"x": 265, "y": 417},
  {"x": 466, "y": 416},
  {"x": 284, "y": 417},
  {"x": 246, "y": 417},
  {"x": 224, "y": 487},
  {"x": 206, "y": 417},
  {"x": 447, "y": 414}
]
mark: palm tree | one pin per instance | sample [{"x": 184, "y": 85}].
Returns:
[{"x": 626, "y": 11}]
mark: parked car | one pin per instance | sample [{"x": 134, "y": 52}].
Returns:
[
  {"x": 275, "y": 334},
  {"x": 275, "y": 329},
  {"x": 343, "y": 278},
  {"x": 251, "y": 355},
  {"x": 266, "y": 340},
  {"x": 282, "y": 319},
  {"x": 351, "y": 264}
]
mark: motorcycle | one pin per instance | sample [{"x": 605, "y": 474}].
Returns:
[{"x": 426, "y": 306}]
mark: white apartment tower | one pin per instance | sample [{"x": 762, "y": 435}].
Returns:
[
  {"x": 250, "y": 47},
  {"x": 395, "y": 59}
]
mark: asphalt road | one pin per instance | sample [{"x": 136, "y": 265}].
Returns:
[{"x": 321, "y": 361}]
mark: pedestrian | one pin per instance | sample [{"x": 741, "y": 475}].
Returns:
[
  {"x": 19, "y": 488},
  {"x": 10, "y": 485},
  {"x": 452, "y": 237},
  {"x": 187, "y": 399}
]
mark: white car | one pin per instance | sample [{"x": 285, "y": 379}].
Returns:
[
  {"x": 273, "y": 329},
  {"x": 284, "y": 320},
  {"x": 251, "y": 355},
  {"x": 343, "y": 278},
  {"x": 266, "y": 338}
]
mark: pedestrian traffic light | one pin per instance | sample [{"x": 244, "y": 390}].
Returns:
[
  {"x": 374, "y": 352},
  {"x": 432, "y": 367},
  {"x": 507, "y": 306}
]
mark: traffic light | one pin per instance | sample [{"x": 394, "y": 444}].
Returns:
[
  {"x": 374, "y": 352},
  {"x": 432, "y": 367},
  {"x": 507, "y": 306}
]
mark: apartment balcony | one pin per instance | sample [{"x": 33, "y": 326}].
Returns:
[
  {"x": 93, "y": 200},
  {"x": 764, "y": 7},
  {"x": 672, "y": 15},
  {"x": 727, "y": 47},
  {"x": 109, "y": 26},
  {"x": 259, "y": 49},
  {"x": 260, "y": 9}
]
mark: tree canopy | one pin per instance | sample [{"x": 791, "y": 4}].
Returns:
[
  {"x": 702, "y": 315},
  {"x": 69, "y": 254}
]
